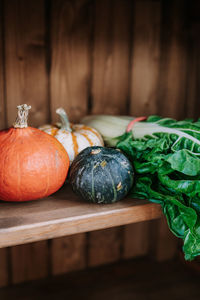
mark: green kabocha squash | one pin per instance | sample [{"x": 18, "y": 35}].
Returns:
[{"x": 101, "y": 175}]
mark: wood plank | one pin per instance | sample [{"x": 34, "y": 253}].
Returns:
[
  {"x": 26, "y": 82},
  {"x": 3, "y": 252},
  {"x": 163, "y": 244},
  {"x": 68, "y": 254},
  {"x": 136, "y": 240},
  {"x": 172, "y": 82},
  {"x": 173, "y": 75},
  {"x": 99, "y": 254},
  {"x": 112, "y": 41},
  {"x": 71, "y": 51},
  {"x": 193, "y": 61},
  {"x": 69, "y": 84},
  {"x": 65, "y": 214},
  {"x": 144, "y": 94},
  {"x": 110, "y": 87},
  {"x": 2, "y": 79},
  {"x": 192, "y": 101},
  {"x": 3, "y": 267},
  {"x": 25, "y": 257},
  {"x": 145, "y": 57},
  {"x": 26, "y": 78}
]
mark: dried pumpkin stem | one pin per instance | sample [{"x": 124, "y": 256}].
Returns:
[
  {"x": 64, "y": 119},
  {"x": 22, "y": 116}
]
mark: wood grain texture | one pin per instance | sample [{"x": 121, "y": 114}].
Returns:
[
  {"x": 68, "y": 254},
  {"x": 3, "y": 252},
  {"x": 143, "y": 93},
  {"x": 104, "y": 246},
  {"x": 163, "y": 244},
  {"x": 25, "y": 62},
  {"x": 171, "y": 96},
  {"x": 70, "y": 71},
  {"x": 136, "y": 239},
  {"x": 3, "y": 267},
  {"x": 145, "y": 57},
  {"x": 69, "y": 81},
  {"x": 110, "y": 72},
  {"x": 173, "y": 72},
  {"x": 2, "y": 79},
  {"x": 65, "y": 214},
  {"x": 26, "y": 82},
  {"x": 193, "y": 61},
  {"x": 29, "y": 262},
  {"x": 112, "y": 41}
]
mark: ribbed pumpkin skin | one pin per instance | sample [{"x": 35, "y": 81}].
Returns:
[
  {"x": 101, "y": 175},
  {"x": 33, "y": 164},
  {"x": 74, "y": 142}
]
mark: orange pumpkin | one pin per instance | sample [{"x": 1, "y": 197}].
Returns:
[{"x": 33, "y": 164}]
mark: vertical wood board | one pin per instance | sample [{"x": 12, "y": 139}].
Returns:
[
  {"x": 26, "y": 82},
  {"x": 29, "y": 262},
  {"x": 173, "y": 70},
  {"x": 110, "y": 87},
  {"x": 145, "y": 57},
  {"x": 193, "y": 61},
  {"x": 171, "y": 96},
  {"x": 2, "y": 79},
  {"x": 71, "y": 51},
  {"x": 25, "y": 61},
  {"x": 112, "y": 41},
  {"x": 4, "y": 267},
  {"x": 144, "y": 90},
  {"x": 68, "y": 254},
  {"x": 104, "y": 246},
  {"x": 69, "y": 84},
  {"x": 136, "y": 240},
  {"x": 163, "y": 244},
  {"x": 4, "y": 277}
]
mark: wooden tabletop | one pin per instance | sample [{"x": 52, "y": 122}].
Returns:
[{"x": 64, "y": 214}]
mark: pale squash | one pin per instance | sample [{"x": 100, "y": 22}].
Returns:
[{"x": 74, "y": 137}]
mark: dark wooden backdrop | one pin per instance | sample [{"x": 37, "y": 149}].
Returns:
[{"x": 134, "y": 57}]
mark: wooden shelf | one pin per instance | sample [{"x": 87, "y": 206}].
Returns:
[{"x": 64, "y": 214}]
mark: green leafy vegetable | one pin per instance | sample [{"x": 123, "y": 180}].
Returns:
[{"x": 166, "y": 157}]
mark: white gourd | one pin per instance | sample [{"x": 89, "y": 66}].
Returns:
[{"x": 74, "y": 137}]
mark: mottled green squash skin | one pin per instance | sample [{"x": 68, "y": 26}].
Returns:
[{"x": 101, "y": 175}]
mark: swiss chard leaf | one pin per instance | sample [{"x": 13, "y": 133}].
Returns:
[{"x": 166, "y": 157}]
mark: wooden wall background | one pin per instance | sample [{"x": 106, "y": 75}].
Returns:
[{"x": 134, "y": 57}]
